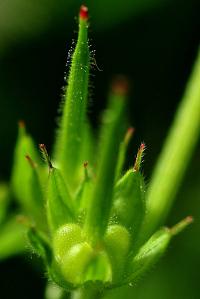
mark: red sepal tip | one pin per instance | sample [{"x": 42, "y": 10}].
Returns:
[
  {"x": 84, "y": 12},
  {"x": 139, "y": 157},
  {"x": 21, "y": 124},
  {"x": 129, "y": 134},
  {"x": 120, "y": 85},
  {"x": 85, "y": 164},
  {"x": 46, "y": 155},
  {"x": 28, "y": 158}
]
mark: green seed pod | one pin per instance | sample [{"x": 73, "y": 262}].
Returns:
[
  {"x": 117, "y": 242},
  {"x": 129, "y": 205},
  {"x": 75, "y": 261},
  {"x": 65, "y": 237}
]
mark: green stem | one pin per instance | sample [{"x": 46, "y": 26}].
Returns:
[
  {"x": 86, "y": 293},
  {"x": 175, "y": 156}
]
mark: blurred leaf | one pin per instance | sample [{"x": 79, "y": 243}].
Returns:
[
  {"x": 12, "y": 238},
  {"x": 4, "y": 200}
]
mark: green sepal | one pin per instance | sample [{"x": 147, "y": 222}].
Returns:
[
  {"x": 12, "y": 238},
  {"x": 122, "y": 152},
  {"x": 101, "y": 199},
  {"x": 34, "y": 192},
  {"x": 56, "y": 275},
  {"x": 22, "y": 172},
  {"x": 83, "y": 194},
  {"x": 4, "y": 200},
  {"x": 59, "y": 203},
  {"x": 99, "y": 268},
  {"x": 70, "y": 133},
  {"x": 148, "y": 255},
  {"x": 40, "y": 244},
  {"x": 129, "y": 204},
  {"x": 87, "y": 151}
]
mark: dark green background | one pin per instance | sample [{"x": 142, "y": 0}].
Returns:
[{"x": 153, "y": 42}]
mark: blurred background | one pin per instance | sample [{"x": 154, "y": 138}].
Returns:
[{"x": 154, "y": 43}]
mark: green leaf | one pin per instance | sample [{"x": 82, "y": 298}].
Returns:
[{"x": 176, "y": 154}]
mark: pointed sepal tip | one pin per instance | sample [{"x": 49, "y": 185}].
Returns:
[{"x": 83, "y": 14}]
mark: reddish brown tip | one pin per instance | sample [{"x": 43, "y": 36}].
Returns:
[
  {"x": 84, "y": 13},
  {"x": 85, "y": 164},
  {"x": 30, "y": 161},
  {"x": 120, "y": 86},
  {"x": 129, "y": 134},
  {"x": 24, "y": 220},
  {"x": 142, "y": 147},
  {"x": 45, "y": 154},
  {"x": 21, "y": 124},
  {"x": 189, "y": 219},
  {"x": 139, "y": 157}
]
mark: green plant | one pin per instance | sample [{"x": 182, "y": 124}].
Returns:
[{"x": 95, "y": 227}]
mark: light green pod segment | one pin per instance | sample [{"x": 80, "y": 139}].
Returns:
[
  {"x": 148, "y": 254},
  {"x": 74, "y": 263},
  {"x": 69, "y": 137},
  {"x": 117, "y": 242},
  {"x": 71, "y": 252},
  {"x": 129, "y": 205},
  {"x": 66, "y": 237},
  {"x": 77, "y": 260},
  {"x": 59, "y": 203},
  {"x": 22, "y": 172}
]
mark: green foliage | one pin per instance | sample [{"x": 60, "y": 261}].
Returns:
[{"x": 88, "y": 220}]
